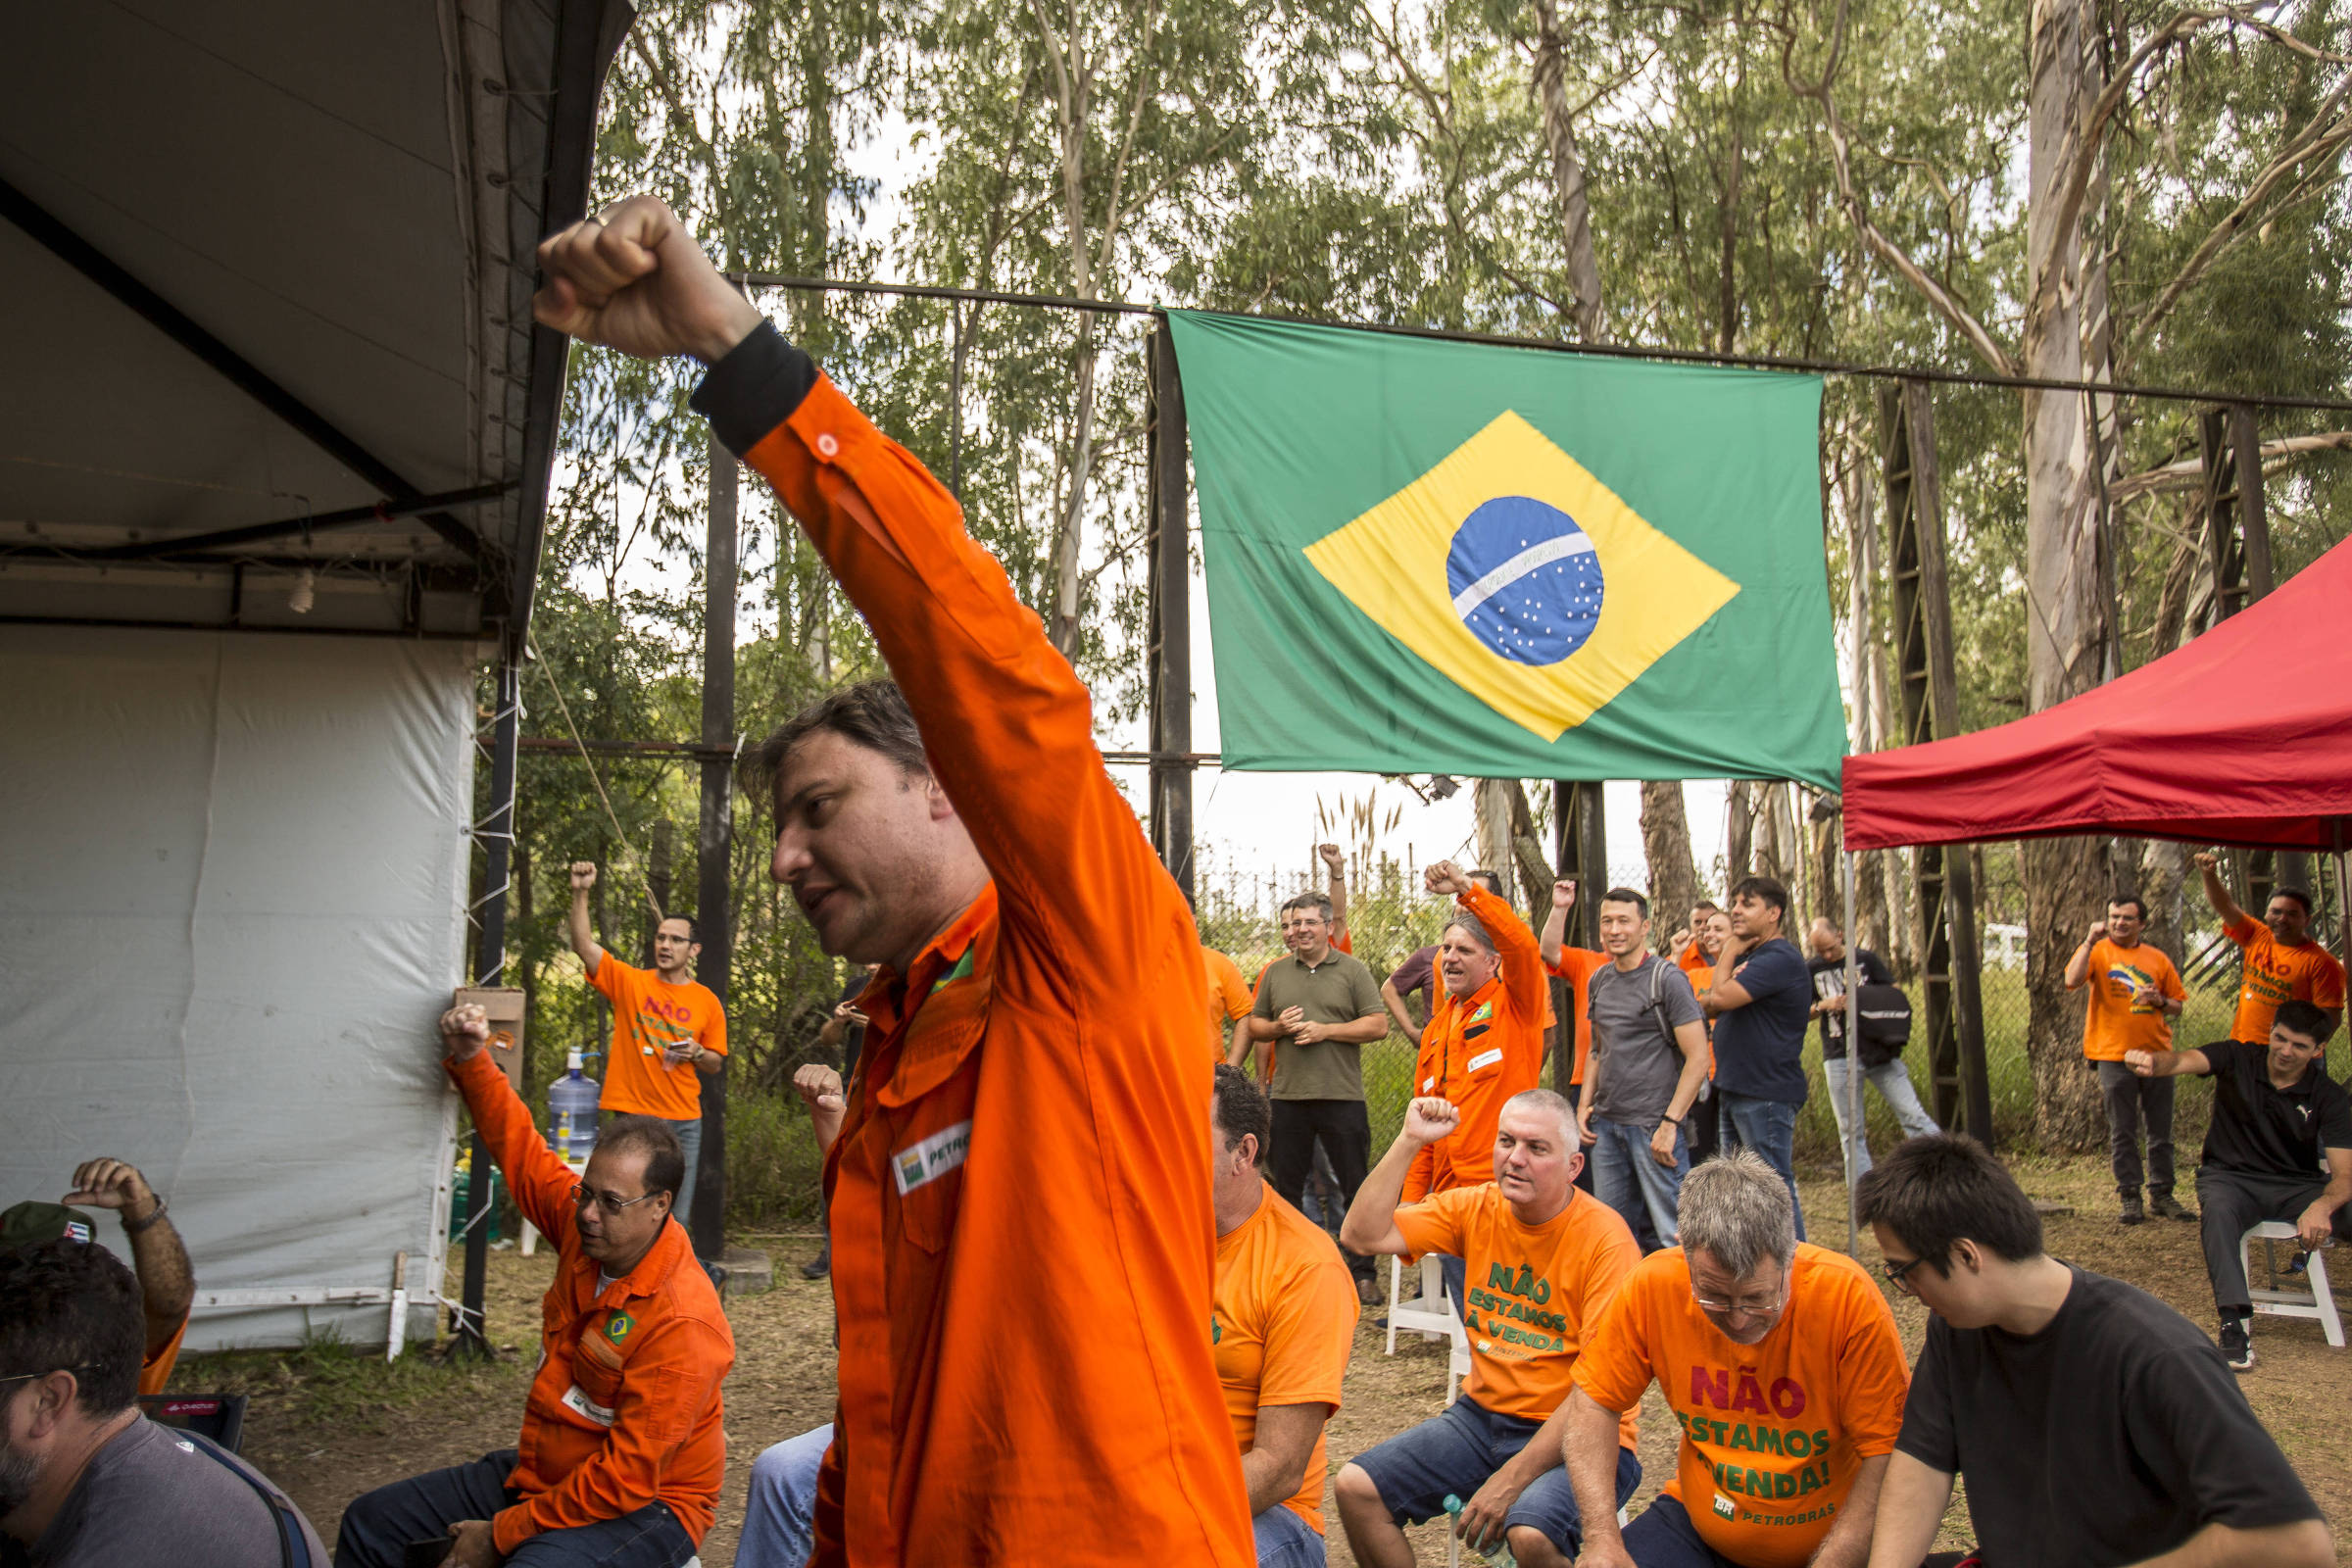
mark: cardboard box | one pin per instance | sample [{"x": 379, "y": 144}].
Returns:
[{"x": 504, "y": 1004}]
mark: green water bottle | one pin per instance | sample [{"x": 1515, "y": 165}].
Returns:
[{"x": 1501, "y": 1557}]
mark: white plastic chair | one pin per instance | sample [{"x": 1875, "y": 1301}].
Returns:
[
  {"x": 2319, "y": 1302},
  {"x": 1429, "y": 1314}
]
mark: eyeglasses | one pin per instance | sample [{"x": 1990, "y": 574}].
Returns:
[
  {"x": 1742, "y": 1308},
  {"x": 1894, "y": 1273},
  {"x": 581, "y": 1197},
  {"x": 21, "y": 1377}
]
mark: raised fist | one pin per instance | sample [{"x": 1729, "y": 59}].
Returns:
[
  {"x": 1430, "y": 1118},
  {"x": 1563, "y": 894},
  {"x": 821, "y": 1088},
  {"x": 465, "y": 1030},
  {"x": 1446, "y": 880},
  {"x": 632, "y": 278},
  {"x": 1331, "y": 857},
  {"x": 2205, "y": 861},
  {"x": 583, "y": 875}
]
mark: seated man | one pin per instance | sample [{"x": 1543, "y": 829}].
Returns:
[
  {"x": 166, "y": 1287},
  {"x": 621, "y": 1442},
  {"x": 1282, "y": 1324},
  {"x": 1544, "y": 1259},
  {"x": 2275, "y": 1112},
  {"x": 2094, "y": 1424},
  {"x": 1783, "y": 1364},
  {"x": 84, "y": 1478}
]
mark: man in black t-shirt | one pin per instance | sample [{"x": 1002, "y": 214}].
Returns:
[
  {"x": 2275, "y": 1112},
  {"x": 2095, "y": 1426}
]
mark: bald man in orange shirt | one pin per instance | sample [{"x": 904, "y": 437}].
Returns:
[{"x": 1022, "y": 1234}]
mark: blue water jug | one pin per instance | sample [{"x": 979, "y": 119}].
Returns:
[{"x": 571, "y": 1113}]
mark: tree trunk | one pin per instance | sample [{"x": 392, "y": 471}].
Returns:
[
  {"x": 1873, "y": 890},
  {"x": 1491, "y": 807},
  {"x": 1666, "y": 845},
  {"x": 2065, "y": 879},
  {"x": 1568, "y": 181},
  {"x": 1740, "y": 837}
]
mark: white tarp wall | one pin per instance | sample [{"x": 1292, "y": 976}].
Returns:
[{"x": 232, "y": 889}]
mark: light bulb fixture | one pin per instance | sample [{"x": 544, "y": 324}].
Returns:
[{"x": 305, "y": 593}]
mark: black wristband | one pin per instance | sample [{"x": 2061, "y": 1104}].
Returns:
[
  {"x": 132, "y": 1227},
  {"x": 1676, "y": 1120}
]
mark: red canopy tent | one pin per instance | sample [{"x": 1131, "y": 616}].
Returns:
[{"x": 2244, "y": 736}]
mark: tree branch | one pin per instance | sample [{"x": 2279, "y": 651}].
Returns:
[
  {"x": 1940, "y": 299},
  {"x": 2190, "y": 473}
]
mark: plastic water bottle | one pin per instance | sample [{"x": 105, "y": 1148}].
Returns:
[
  {"x": 1501, "y": 1557},
  {"x": 571, "y": 1113}
]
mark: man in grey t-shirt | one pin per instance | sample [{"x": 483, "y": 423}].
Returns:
[
  {"x": 1317, "y": 1008},
  {"x": 1649, "y": 1060},
  {"x": 87, "y": 1482}
]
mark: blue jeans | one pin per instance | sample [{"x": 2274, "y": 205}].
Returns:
[
  {"x": 376, "y": 1529},
  {"x": 779, "y": 1517},
  {"x": 1768, "y": 1127},
  {"x": 690, "y": 1143},
  {"x": 1284, "y": 1540},
  {"x": 1628, "y": 1177},
  {"x": 1892, "y": 1081},
  {"x": 1457, "y": 1452}
]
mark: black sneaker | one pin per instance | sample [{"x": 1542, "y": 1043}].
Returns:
[
  {"x": 2237, "y": 1348},
  {"x": 2132, "y": 1213},
  {"x": 2163, "y": 1204},
  {"x": 817, "y": 1267}
]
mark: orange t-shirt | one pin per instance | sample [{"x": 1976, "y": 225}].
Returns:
[
  {"x": 1701, "y": 970},
  {"x": 2273, "y": 974},
  {"x": 156, "y": 1370},
  {"x": 1772, "y": 1431},
  {"x": 1578, "y": 967},
  {"x": 1229, "y": 998},
  {"x": 1535, "y": 1291},
  {"x": 2112, "y": 1023},
  {"x": 1280, "y": 1327},
  {"x": 1023, "y": 1240},
  {"x": 649, "y": 1016}
]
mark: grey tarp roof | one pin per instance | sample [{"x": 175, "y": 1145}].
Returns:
[{"x": 266, "y": 260}]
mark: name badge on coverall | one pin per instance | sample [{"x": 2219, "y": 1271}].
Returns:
[{"x": 927, "y": 1161}]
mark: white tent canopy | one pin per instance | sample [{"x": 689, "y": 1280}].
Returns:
[{"x": 276, "y": 432}]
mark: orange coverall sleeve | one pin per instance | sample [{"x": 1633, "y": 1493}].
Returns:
[
  {"x": 669, "y": 1382},
  {"x": 1009, "y": 727},
  {"x": 1524, "y": 978},
  {"x": 540, "y": 1182}
]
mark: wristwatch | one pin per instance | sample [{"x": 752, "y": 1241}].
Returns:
[{"x": 132, "y": 1227}]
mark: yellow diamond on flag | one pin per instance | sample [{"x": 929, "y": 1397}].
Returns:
[{"x": 1524, "y": 580}]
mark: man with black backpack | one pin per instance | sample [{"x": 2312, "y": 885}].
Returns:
[
  {"x": 1650, "y": 1062},
  {"x": 1885, "y": 1025}
]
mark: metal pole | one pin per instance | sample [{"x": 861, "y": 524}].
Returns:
[
  {"x": 1853, "y": 1068},
  {"x": 715, "y": 840},
  {"x": 1169, "y": 580},
  {"x": 489, "y": 970}
]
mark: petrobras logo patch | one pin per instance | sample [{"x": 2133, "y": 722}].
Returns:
[{"x": 920, "y": 1163}]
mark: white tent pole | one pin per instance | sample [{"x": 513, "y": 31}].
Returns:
[{"x": 1853, "y": 1066}]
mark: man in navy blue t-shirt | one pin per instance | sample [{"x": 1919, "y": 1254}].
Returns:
[{"x": 1761, "y": 1001}]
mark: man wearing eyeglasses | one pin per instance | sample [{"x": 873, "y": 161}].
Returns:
[
  {"x": 1782, "y": 1364},
  {"x": 623, "y": 1452},
  {"x": 85, "y": 1480},
  {"x": 2094, "y": 1424}
]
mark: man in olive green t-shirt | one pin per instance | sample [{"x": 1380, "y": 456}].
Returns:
[{"x": 1315, "y": 1011}]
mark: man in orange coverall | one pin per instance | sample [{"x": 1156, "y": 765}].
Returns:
[
  {"x": 622, "y": 1452},
  {"x": 1484, "y": 1041},
  {"x": 1023, "y": 1243}
]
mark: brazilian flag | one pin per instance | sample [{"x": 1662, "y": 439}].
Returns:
[{"x": 1436, "y": 557}]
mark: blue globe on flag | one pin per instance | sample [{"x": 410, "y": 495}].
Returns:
[{"x": 1525, "y": 579}]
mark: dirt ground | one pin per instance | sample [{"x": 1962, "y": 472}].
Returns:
[{"x": 329, "y": 1426}]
